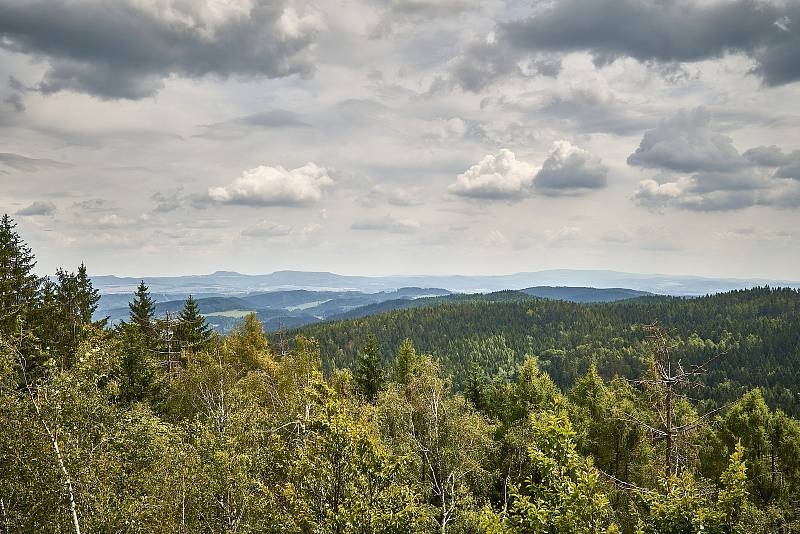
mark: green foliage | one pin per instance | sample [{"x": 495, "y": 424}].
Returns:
[
  {"x": 19, "y": 285},
  {"x": 192, "y": 331},
  {"x": 550, "y": 435},
  {"x": 753, "y": 337},
  {"x": 681, "y": 507},
  {"x": 142, "y": 311},
  {"x": 369, "y": 375},
  {"x": 404, "y": 363},
  {"x": 564, "y": 493}
]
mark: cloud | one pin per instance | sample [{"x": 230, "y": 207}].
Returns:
[
  {"x": 274, "y": 186},
  {"x": 495, "y": 177},
  {"x": 701, "y": 170},
  {"x": 387, "y": 223},
  {"x": 591, "y": 109},
  {"x": 25, "y": 164},
  {"x": 168, "y": 201},
  {"x": 787, "y": 165},
  {"x": 398, "y": 12},
  {"x": 111, "y": 221},
  {"x": 666, "y": 32},
  {"x": 127, "y": 48},
  {"x": 686, "y": 143},
  {"x": 480, "y": 64},
  {"x": 38, "y": 208},
  {"x": 92, "y": 204},
  {"x": 378, "y": 195},
  {"x": 569, "y": 169},
  {"x": 241, "y": 126},
  {"x": 691, "y": 193},
  {"x": 267, "y": 229}
]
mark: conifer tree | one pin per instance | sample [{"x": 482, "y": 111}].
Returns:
[
  {"x": 474, "y": 387},
  {"x": 193, "y": 331},
  {"x": 404, "y": 364},
  {"x": 88, "y": 297},
  {"x": 143, "y": 310},
  {"x": 66, "y": 331},
  {"x": 368, "y": 375},
  {"x": 19, "y": 286}
]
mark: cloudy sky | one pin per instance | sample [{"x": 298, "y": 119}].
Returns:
[{"x": 403, "y": 136}]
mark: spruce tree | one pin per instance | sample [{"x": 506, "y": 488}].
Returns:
[
  {"x": 88, "y": 298},
  {"x": 193, "y": 331},
  {"x": 19, "y": 286},
  {"x": 474, "y": 389},
  {"x": 143, "y": 310},
  {"x": 404, "y": 364},
  {"x": 65, "y": 337},
  {"x": 368, "y": 375}
]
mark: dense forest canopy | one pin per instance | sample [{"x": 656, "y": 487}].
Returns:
[
  {"x": 500, "y": 415},
  {"x": 753, "y": 335}
]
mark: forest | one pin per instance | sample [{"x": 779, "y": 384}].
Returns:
[{"x": 497, "y": 414}]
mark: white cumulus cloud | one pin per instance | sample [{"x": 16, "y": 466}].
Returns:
[
  {"x": 275, "y": 186},
  {"x": 569, "y": 168},
  {"x": 496, "y": 177}
]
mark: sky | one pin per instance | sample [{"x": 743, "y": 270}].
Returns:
[{"x": 166, "y": 137}]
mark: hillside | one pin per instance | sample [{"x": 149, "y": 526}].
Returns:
[
  {"x": 585, "y": 294},
  {"x": 755, "y": 335},
  {"x": 276, "y": 309}
]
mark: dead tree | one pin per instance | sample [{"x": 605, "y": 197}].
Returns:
[{"x": 668, "y": 383}]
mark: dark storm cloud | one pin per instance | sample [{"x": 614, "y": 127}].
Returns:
[
  {"x": 666, "y": 32},
  {"x": 26, "y": 164},
  {"x": 122, "y": 49}
]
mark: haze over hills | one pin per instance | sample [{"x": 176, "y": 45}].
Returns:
[{"x": 237, "y": 284}]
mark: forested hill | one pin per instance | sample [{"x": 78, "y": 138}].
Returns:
[{"x": 753, "y": 336}]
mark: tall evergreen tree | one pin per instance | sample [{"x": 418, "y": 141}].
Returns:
[
  {"x": 88, "y": 297},
  {"x": 143, "y": 310},
  {"x": 368, "y": 375},
  {"x": 475, "y": 385},
  {"x": 193, "y": 331},
  {"x": 404, "y": 364},
  {"x": 65, "y": 336},
  {"x": 19, "y": 286}
]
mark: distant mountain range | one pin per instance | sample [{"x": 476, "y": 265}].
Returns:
[
  {"x": 232, "y": 283},
  {"x": 276, "y": 309},
  {"x": 289, "y": 299}
]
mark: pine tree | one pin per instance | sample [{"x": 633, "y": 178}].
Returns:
[
  {"x": 404, "y": 364},
  {"x": 19, "y": 286},
  {"x": 143, "y": 310},
  {"x": 368, "y": 375},
  {"x": 193, "y": 331}
]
